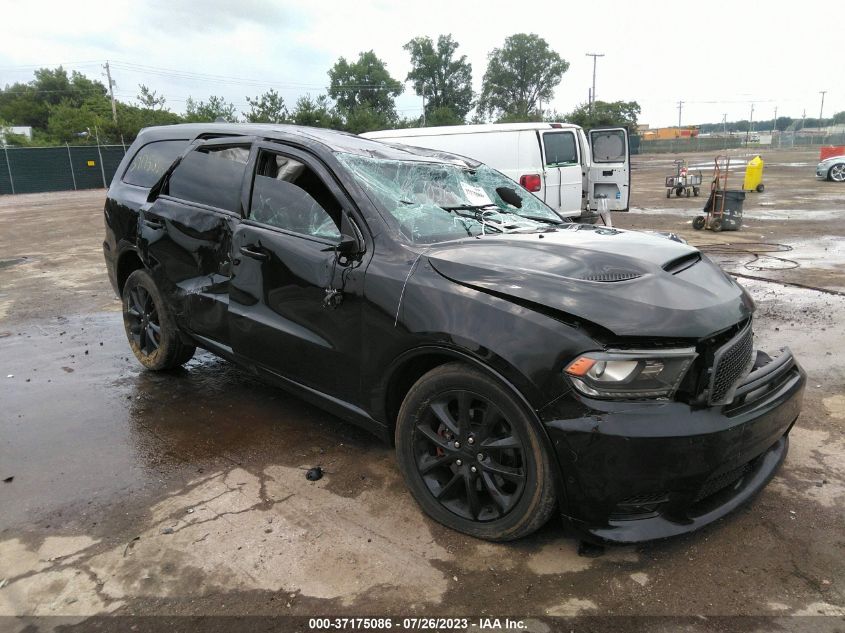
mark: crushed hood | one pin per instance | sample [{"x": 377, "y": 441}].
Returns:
[{"x": 633, "y": 284}]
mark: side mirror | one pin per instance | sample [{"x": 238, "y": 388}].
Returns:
[{"x": 347, "y": 246}]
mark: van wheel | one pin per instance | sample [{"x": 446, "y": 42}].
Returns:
[
  {"x": 472, "y": 457},
  {"x": 150, "y": 327}
]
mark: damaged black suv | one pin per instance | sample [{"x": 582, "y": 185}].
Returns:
[{"x": 519, "y": 362}]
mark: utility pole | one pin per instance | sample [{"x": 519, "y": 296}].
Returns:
[
  {"x": 750, "y": 125},
  {"x": 775, "y": 124},
  {"x": 595, "y": 56},
  {"x": 111, "y": 92},
  {"x": 821, "y": 110},
  {"x": 680, "y": 111},
  {"x": 423, "y": 97},
  {"x": 725, "y": 128},
  {"x": 803, "y": 116}
]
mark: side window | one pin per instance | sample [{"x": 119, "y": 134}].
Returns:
[
  {"x": 151, "y": 161},
  {"x": 212, "y": 176},
  {"x": 608, "y": 146},
  {"x": 289, "y": 195},
  {"x": 560, "y": 149}
]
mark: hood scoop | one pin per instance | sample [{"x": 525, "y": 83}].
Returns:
[{"x": 610, "y": 276}]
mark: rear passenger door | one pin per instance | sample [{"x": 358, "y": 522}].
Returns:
[
  {"x": 562, "y": 165},
  {"x": 295, "y": 307},
  {"x": 185, "y": 235}
]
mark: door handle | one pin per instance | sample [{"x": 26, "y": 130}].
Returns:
[
  {"x": 153, "y": 224},
  {"x": 253, "y": 251}
]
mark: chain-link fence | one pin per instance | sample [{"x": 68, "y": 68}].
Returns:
[
  {"x": 37, "y": 169},
  {"x": 785, "y": 139}
]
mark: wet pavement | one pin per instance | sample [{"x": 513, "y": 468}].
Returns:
[{"x": 185, "y": 493}]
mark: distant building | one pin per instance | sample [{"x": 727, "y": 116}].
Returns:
[
  {"x": 667, "y": 133},
  {"x": 16, "y": 130}
]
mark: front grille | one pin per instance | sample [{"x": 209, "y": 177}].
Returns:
[
  {"x": 730, "y": 363},
  {"x": 720, "y": 482}
]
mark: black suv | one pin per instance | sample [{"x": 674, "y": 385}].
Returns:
[{"x": 519, "y": 362}]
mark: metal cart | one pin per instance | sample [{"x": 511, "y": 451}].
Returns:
[
  {"x": 723, "y": 210},
  {"x": 683, "y": 182}
]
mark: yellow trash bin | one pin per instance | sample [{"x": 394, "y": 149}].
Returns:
[{"x": 754, "y": 175}]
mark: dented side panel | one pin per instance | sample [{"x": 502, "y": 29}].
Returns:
[{"x": 187, "y": 250}]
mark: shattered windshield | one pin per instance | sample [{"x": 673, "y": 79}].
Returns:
[{"x": 436, "y": 201}]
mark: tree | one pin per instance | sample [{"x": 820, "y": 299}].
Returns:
[
  {"x": 615, "y": 113},
  {"x": 366, "y": 85},
  {"x": 519, "y": 75},
  {"x": 216, "y": 108},
  {"x": 149, "y": 99},
  {"x": 839, "y": 118},
  {"x": 267, "y": 108},
  {"x": 316, "y": 112},
  {"x": 442, "y": 80}
]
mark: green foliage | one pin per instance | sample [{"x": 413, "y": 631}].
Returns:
[
  {"x": 604, "y": 113},
  {"x": 839, "y": 118},
  {"x": 149, "y": 99},
  {"x": 364, "y": 91},
  {"x": 519, "y": 75},
  {"x": 444, "y": 81},
  {"x": 208, "y": 112},
  {"x": 316, "y": 112},
  {"x": 267, "y": 108}
]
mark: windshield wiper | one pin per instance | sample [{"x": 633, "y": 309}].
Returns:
[{"x": 469, "y": 207}]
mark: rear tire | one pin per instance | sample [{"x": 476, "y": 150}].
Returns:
[
  {"x": 472, "y": 457},
  {"x": 150, "y": 327},
  {"x": 698, "y": 222},
  {"x": 716, "y": 225}
]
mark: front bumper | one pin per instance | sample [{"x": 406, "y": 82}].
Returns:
[
  {"x": 821, "y": 171},
  {"x": 638, "y": 471}
]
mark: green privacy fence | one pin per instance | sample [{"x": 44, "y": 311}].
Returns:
[{"x": 37, "y": 169}]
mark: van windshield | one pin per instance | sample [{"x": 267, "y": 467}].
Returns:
[{"x": 436, "y": 202}]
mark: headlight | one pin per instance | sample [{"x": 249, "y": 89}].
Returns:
[{"x": 630, "y": 374}]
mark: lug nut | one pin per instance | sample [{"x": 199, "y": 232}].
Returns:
[
  {"x": 473, "y": 469},
  {"x": 480, "y": 456},
  {"x": 471, "y": 440},
  {"x": 457, "y": 444},
  {"x": 458, "y": 462}
]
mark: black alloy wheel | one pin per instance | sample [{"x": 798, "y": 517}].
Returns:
[
  {"x": 142, "y": 321},
  {"x": 473, "y": 456},
  {"x": 468, "y": 456},
  {"x": 150, "y": 327}
]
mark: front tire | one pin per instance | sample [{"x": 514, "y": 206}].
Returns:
[
  {"x": 472, "y": 457},
  {"x": 837, "y": 173},
  {"x": 150, "y": 327}
]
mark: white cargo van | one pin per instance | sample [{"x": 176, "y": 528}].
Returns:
[{"x": 566, "y": 168}]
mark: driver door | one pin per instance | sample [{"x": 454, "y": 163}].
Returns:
[{"x": 295, "y": 302}]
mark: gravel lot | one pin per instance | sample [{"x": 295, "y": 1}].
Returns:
[{"x": 184, "y": 494}]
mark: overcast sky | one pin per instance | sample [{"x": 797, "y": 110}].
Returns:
[{"x": 718, "y": 57}]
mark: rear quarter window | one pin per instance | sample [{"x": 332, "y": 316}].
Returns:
[
  {"x": 211, "y": 176},
  {"x": 151, "y": 161}
]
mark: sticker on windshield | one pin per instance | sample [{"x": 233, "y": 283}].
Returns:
[{"x": 475, "y": 194}]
